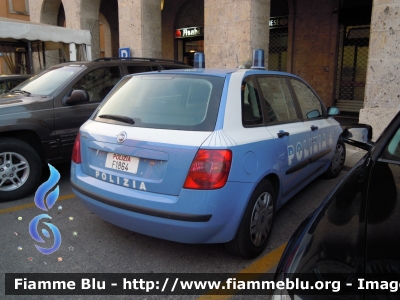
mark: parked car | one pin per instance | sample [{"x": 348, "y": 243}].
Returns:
[
  {"x": 8, "y": 82},
  {"x": 354, "y": 234},
  {"x": 204, "y": 155},
  {"x": 39, "y": 119}
]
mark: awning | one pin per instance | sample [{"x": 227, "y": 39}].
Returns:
[{"x": 11, "y": 29}]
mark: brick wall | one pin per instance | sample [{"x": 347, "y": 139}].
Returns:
[{"x": 315, "y": 45}]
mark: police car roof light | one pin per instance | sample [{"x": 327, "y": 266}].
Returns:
[
  {"x": 199, "y": 61},
  {"x": 258, "y": 59}
]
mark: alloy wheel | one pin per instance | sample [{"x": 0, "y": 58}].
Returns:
[{"x": 14, "y": 171}]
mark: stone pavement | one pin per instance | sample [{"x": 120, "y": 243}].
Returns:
[{"x": 353, "y": 155}]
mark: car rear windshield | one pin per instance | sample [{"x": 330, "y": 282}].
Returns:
[{"x": 164, "y": 101}]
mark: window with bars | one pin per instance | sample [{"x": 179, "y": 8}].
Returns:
[
  {"x": 278, "y": 42},
  {"x": 352, "y": 66}
]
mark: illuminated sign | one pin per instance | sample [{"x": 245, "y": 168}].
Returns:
[
  {"x": 276, "y": 22},
  {"x": 189, "y": 32}
]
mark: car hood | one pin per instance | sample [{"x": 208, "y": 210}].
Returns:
[{"x": 16, "y": 103}]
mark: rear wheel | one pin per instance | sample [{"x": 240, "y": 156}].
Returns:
[
  {"x": 256, "y": 225},
  {"x": 337, "y": 161},
  {"x": 20, "y": 169}
]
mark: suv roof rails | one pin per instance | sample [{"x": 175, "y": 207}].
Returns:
[{"x": 140, "y": 58}]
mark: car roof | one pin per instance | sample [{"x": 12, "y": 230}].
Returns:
[
  {"x": 220, "y": 72},
  {"x": 214, "y": 72},
  {"x": 10, "y": 76},
  {"x": 114, "y": 60}
]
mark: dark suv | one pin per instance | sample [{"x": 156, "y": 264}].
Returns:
[{"x": 40, "y": 118}]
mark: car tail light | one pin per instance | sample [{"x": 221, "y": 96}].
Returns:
[
  {"x": 209, "y": 170},
  {"x": 76, "y": 152}
]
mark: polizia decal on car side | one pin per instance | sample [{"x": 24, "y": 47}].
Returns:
[{"x": 314, "y": 145}]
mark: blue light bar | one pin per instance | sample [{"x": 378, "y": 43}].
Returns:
[
  {"x": 258, "y": 59},
  {"x": 199, "y": 61}
]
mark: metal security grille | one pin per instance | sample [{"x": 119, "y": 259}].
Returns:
[
  {"x": 278, "y": 41},
  {"x": 352, "y": 67}
]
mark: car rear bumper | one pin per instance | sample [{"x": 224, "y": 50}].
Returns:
[{"x": 191, "y": 217}]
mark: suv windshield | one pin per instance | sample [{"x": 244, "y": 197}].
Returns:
[
  {"x": 165, "y": 101},
  {"x": 46, "y": 83}
]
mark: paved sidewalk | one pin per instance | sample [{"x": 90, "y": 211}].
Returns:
[{"x": 353, "y": 155}]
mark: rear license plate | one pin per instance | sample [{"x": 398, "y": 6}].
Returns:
[{"x": 122, "y": 162}]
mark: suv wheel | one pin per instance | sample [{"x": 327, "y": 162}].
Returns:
[
  {"x": 256, "y": 225},
  {"x": 20, "y": 169}
]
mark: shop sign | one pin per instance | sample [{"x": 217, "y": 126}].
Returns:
[
  {"x": 189, "y": 32},
  {"x": 276, "y": 22}
]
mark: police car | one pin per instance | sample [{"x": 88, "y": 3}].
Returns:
[{"x": 204, "y": 155}]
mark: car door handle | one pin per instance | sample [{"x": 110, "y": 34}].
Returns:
[
  {"x": 281, "y": 134},
  {"x": 313, "y": 128}
]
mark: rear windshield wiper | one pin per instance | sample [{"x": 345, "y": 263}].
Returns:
[
  {"x": 118, "y": 118},
  {"x": 21, "y": 91}
]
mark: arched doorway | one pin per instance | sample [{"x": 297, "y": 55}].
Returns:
[
  {"x": 278, "y": 35},
  {"x": 99, "y": 17},
  {"x": 105, "y": 37},
  {"x": 108, "y": 17},
  {"x": 352, "y": 60},
  {"x": 189, "y": 31},
  {"x": 50, "y": 12},
  {"x": 61, "y": 16}
]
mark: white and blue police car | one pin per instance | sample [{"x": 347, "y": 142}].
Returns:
[{"x": 204, "y": 155}]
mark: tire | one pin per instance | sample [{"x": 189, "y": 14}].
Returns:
[
  {"x": 254, "y": 232},
  {"x": 20, "y": 169},
  {"x": 337, "y": 162}
]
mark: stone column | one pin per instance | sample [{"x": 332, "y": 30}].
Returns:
[
  {"x": 233, "y": 29},
  {"x": 140, "y": 27},
  {"x": 84, "y": 14},
  {"x": 79, "y": 14},
  {"x": 382, "y": 90},
  {"x": 35, "y": 10}
]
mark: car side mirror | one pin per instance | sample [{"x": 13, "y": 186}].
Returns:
[
  {"x": 313, "y": 114},
  {"x": 358, "y": 135},
  {"x": 333, "y": 111},
  {"x": 77, "y": 96}
]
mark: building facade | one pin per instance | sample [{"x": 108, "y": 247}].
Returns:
[
  {"x": 15, "y": 9},
  {"x": 346, "y": 49},
  {"x": 12, "y": 9}
]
